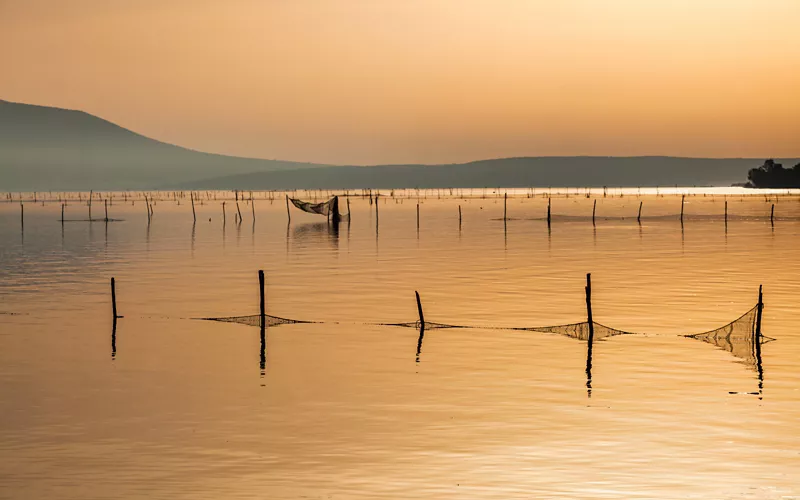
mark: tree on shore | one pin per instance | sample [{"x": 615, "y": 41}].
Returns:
[{"x": 773, "y": 175}]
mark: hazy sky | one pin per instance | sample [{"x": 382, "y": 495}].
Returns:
[{"x": 360, "y": 81}]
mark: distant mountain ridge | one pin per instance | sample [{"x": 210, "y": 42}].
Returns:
[
  {"x": 44, "y": 148},
  {"x": 52, "y": 148},
  {"x": 566, "y": 171}
]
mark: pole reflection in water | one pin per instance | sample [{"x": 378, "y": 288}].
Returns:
[
  {"x": 263, "y": 358},
  {"x": 114, "y": 340},
  {"x": 419, "y": 340}
]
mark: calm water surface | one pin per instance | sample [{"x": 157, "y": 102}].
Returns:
[{"x": 181, "y": 408}]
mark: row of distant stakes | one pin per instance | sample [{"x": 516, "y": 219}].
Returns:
[
  {"x": 741, "y": 337},
  {"x": 150, "y": 201}
]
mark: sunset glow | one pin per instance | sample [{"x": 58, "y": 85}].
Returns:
[{"x": 419, "y": 81}]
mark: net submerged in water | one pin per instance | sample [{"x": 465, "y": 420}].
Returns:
[{"x": 740, "y": 337}]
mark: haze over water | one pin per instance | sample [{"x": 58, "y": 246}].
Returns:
[{"x": 181, "y": 408}]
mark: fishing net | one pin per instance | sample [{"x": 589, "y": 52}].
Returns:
[
  {"x": 325, "y": 208},
  {"x": 739, "y": 337},
  {"x": 579, "y": 331},
  {"x": 255, "y": 320},
  {"x": 429, "y": 325}
]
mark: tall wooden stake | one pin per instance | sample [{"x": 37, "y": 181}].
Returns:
[
  {"x": 62, "y": 214},
  {"x": 114, "y": 299},
  {"x": 772, "y": 215},
  {"x": 548, "y": 212},
  {"x": 223, "y": 213},
  {"x": 105, "y": 206},
  {"x": 683, "y": 196},
  {"x": 288, "y": 213},
  {"x": 90, "y": 205},
  {"x": 726, "y": 211},
  {"x": 253, "y": 206},
  {"x": 594, "y": 210},
  {"x": 459, "y": 217},
  {"x": 21, "y": 215},
  {"x": 758, "y": 313},
  {"x": 194, "y": 215},
  {"x": 417, "y": 216},
  {"x": 591, "y": 328},
  {"x": 757, "y": 339},
  {"x": 262, "y": 306},
  {"x": 239, "y": 211},
  {"x": 419, "y": 309},
  {"x": 639, "y": 217},
  {"x": 505, "y": 206}
]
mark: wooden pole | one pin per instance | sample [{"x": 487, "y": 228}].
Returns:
[
  {"x": 239, "y": 211},
  {"x": 90, "y": 205},
  {"x": 105, "y": 206},
  {"x": 334, "y": 213},
  {"x": 114, "y": 299},
  {"x": 262, "y": 306},
  {"x": 683, "y": 196},
  {"x": 348, "y": 209},
  {"x": 639, "y": 217},
  {"x": 62, "y": 214},
  {"x": 417, "y": 216},
  {"x": 589, "y": 308},
  {"x": 459, "y": 217},
  {"x": 772, "y": 214},
  {"x": 223, "y": 213},
  {"x": 147, "y": 207},
  {"x": 253, "y": 206},
  {"x": 505, "y": 206},
  {"x": 288, "y": 213},
  {"x": 760, "y": 307},
  {"x": 194, "y": 215},
  {"x": 419, "y": 309},
  {"x": 590, "y": 340},
  {"x": 21, "y": 215},
  {"x": 726, "y": 211},
  {"x": 594, "y": 210},
  {"x": 548, "y": 211}
]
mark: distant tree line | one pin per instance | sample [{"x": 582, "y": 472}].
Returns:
[{"x": 773, "y": 175}]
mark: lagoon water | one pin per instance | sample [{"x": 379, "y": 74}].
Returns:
[{"x": 177, "y": 407}]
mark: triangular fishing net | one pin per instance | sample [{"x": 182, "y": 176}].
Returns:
[
  {"x": 579, "y": 331},
  {"x": 325, "y": 208},
  {"x": 255, "y": 320},
  {"x": 429, "y": 325},
  {"x": 739, "y": 337}
]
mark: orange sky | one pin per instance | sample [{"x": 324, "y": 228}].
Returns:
[{"x": 380, "y": 81}]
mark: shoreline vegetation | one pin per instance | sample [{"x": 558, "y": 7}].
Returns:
[{"x": 773, "y": 175}]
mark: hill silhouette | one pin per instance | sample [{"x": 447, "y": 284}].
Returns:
[
  {"x": 589, "y": 171},
  {"x": 51, "y": 148},
  {"x": 44, "y": 148}
]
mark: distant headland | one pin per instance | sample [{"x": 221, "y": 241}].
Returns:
[{"x": 773, "y": 175}]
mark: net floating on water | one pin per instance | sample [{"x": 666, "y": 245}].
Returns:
[
  {"x": 325, "y": 208},
  {"x": 579, "y": 331},
  {"x": 255, "y": 320}
]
